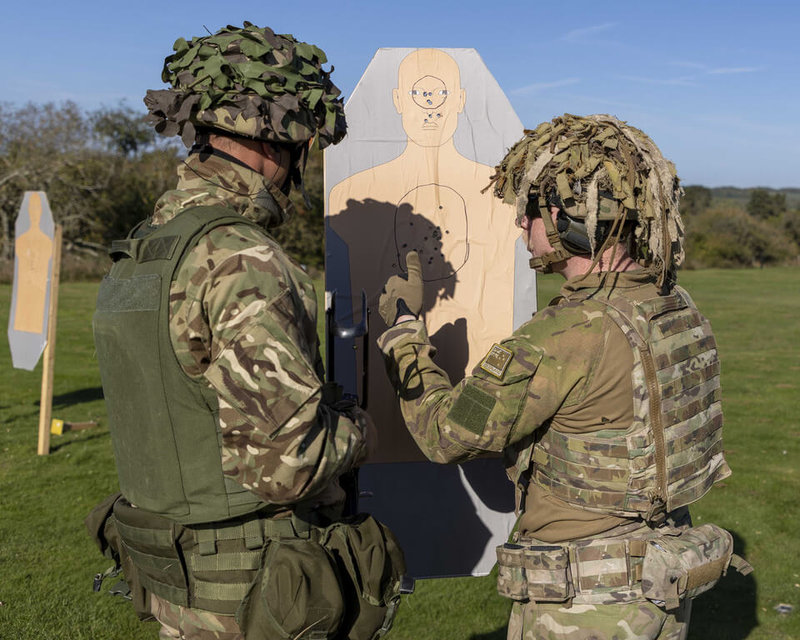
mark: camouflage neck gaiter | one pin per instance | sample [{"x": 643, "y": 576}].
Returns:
[{"x": 216, "y": 181}]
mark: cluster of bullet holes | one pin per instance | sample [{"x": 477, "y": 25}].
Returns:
[
  {"x": 431, "y": 247},
  {"x": 429, "y": 92}
]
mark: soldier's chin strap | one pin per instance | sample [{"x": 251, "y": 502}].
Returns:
[{"x": 544, "y": 264}]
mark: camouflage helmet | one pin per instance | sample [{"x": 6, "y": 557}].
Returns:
[
  {"x": 599, "y": 171},
  {"x": 250, "y": 82}
]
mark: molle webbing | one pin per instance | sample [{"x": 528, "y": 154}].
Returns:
[
  {"x": 164, "y": 424},
  {"x": 671, "y": 454},
  {"x": 207, "y": 567},
  {"x": 602, "y": 571}
]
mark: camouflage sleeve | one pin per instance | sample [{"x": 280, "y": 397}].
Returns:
[
  {"x": 513, "y": 391},
  {"x": 243, "y": 317}
]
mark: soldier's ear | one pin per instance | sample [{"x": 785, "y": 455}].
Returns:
[{"x": 274, "y": 152}]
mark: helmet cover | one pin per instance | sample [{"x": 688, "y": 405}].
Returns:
[
  {"x": 598, "y": 168},
  {"x": 251, "y": 82}
]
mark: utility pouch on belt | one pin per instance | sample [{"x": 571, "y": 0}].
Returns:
[
  {"x": 102, "y": 526},
  {"x": 539, "y": 573},
  {"x": 371, "y": 567},
  {"x": 342, "y": 581},
  {"x": 688, "y": 564},
  {"x": 296, "y": 594}
]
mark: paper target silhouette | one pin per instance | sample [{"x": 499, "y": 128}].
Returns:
[{"x": 425, "y": 129}]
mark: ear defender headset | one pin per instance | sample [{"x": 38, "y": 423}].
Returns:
[{"x": 573, "y": 232}]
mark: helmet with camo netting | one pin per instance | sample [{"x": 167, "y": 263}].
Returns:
[
  {"x": 250, "y": 82},
  {"x": 605, "y": 176}
]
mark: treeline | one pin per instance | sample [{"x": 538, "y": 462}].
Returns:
[
  {"x": 728, "y": 227},
  {"x": 103, "y": 170}
]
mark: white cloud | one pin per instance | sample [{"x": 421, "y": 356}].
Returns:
[
  {"x": 581, "y": 34},
  {"x": 682, "y": 81},
  {"x": 687, "y": 64},
  {"x": 537, "y": 87},
  {"x": 729, "y": 70}
]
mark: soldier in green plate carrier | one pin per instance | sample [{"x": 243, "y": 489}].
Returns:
[
  {"x": 228, "y": 445},
  {"x": 606, "y": 405}
]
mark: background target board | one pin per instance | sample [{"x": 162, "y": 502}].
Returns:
[
  {"x": 33, "y": 269},
  {"x": 425, "y": 129}
]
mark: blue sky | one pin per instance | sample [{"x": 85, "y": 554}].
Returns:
[{"x": 715, "y": 84}]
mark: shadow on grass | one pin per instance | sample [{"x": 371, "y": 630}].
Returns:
[
  {"x": 85, "y": 437},
  {"x": 77, "y": 397},
  {"x": 729, "y": 609},
  {"x": 497, "y": 634}
]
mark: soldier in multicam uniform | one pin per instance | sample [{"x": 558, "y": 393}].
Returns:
[
  {"x": 224, "y": 434},
  {"x": 606, "y": 404}
]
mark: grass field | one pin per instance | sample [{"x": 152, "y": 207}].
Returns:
[{"x": 47, "y": 561}]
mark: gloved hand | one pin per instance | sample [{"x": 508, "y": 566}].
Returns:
[{"x": 402, "y": 294}]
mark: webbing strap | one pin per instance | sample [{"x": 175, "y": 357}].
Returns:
[
  {"x": 234, "y": 591},
  {"x": 161, "y": 565},
  {"x": 253, "y": 538},
  {"x": 169, "y": 592},
  {"x": 741, "y": 565},
  {"x": 152, "y": 537},
  {"x": 121, "y": 248},
  {"x": 226, "y": 561},
  {"x": 206, "y": 540}
]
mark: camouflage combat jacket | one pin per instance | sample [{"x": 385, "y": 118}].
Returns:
[
  {"x": 568, "y": 370},
  {"x": 237, "y": 301}
]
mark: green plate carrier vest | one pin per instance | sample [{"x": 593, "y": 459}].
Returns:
[
  {"x": 164, "y": 424},
  {"x": 672, "y": 453}
]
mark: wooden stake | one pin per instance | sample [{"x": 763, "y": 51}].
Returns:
[{"x": 46, "y": 402}]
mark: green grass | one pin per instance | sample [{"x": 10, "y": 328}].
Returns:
[{"x": 47, "y": 561}]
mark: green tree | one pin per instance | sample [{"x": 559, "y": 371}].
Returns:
[
  {"x": 728, "y": 237},
  {"x": 764, "y": 205},
  {"x": 123, "y": 129},
  {"x": 98, "y": 175},
  {"x": 696, "y": 199}
]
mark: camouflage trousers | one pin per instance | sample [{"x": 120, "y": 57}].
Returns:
[
  {"x": 633, "y": 621},
  {"x": 192, "y": 624}
]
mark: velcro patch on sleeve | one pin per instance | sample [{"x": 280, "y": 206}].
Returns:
[
  {"x": 471, "y": 409},
  {"x": 496, "y": 361}
]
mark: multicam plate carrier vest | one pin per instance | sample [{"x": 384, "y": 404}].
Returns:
[
  {"x": 164, "y": 425},
  {"x": 671, "y": 454}
]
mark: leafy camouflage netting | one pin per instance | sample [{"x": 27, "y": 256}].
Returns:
[
  {"x": 576, "y": 157},
  {"x": 251, "y": 82}
]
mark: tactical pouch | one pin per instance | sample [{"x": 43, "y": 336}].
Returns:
[
  {"x": 371, "y": 567},
  {"x": 104, "y": 529},
  {"x": 155, "y": 563},
  {"x": 534, "y": 572},
  {"x": 686, "y": 565},
  {"x": 296, "y": 594}
]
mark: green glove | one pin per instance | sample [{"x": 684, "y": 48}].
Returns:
[{"x": 402, "y": 294}]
